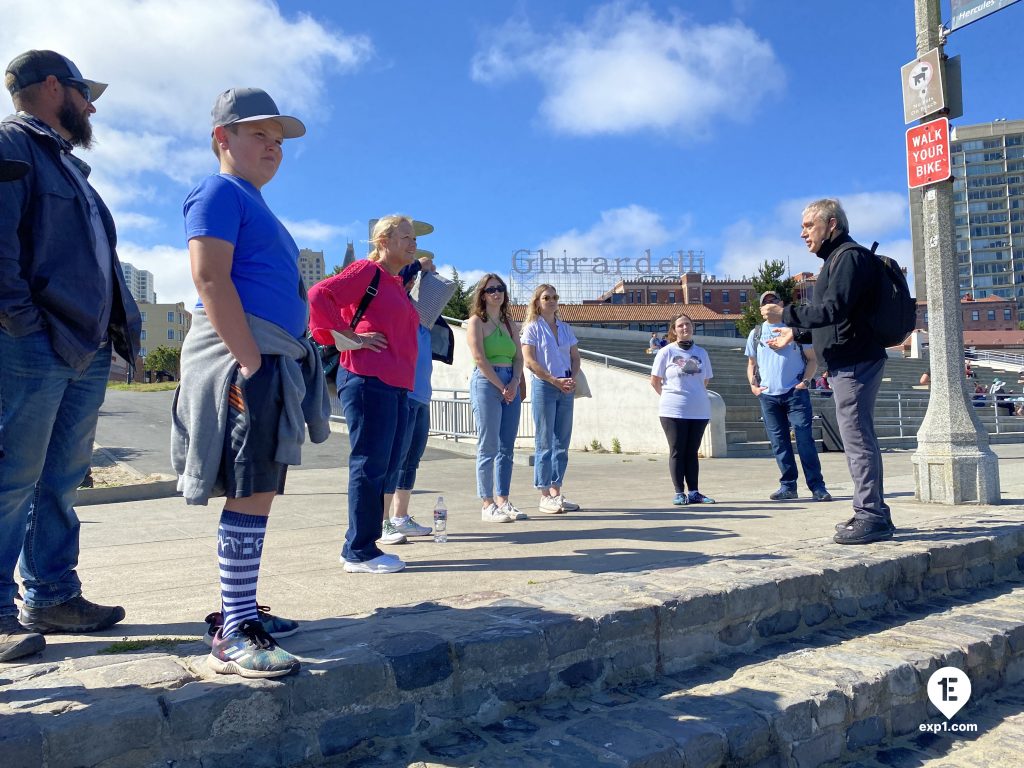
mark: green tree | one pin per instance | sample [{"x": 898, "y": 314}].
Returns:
[
  {"x": 458, "y": 304},
  {"x": 769, "y": 277},
  {"x": 164, "y": 359}
]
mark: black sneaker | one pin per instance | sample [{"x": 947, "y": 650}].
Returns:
[
  {"x": 75, "y": 615},
  {"x": 821, "y": 494},
  {"x": 863, "y": 532},
  {"x": 783, "y": 494},
  {"x": 846, "y": 523},
  {"x": 16, "y": 641}
]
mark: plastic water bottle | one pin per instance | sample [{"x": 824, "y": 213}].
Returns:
[{"x": 440, "y": 522}]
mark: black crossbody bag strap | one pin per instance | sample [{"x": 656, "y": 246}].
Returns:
[{"x": 364, "y": 303}]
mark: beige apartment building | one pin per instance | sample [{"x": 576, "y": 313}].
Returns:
[
  {"x": 164, "y": 325},
  {"x": 311, "y": 267}
]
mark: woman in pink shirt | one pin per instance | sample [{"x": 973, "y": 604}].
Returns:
[{"x": 373, "y": 380}]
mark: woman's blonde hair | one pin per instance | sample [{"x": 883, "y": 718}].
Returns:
[
  {"x": 533, "y": 310},
  {"x": 477, "y": 303},
  {"x": 382, "y": 230},
  {"x": 672, "y": 338}
]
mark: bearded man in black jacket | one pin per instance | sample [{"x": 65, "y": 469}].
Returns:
[{"x": 844, "y": 297}]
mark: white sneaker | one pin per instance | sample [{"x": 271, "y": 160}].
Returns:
[
  {"x": 391, "y": 535},
  {"x": 410, "y": 527},
  {"x": 491, "y": 514},
  {"x": 567, "y": 505},
  {"x": 512, "y": 511},
  {"x": 380, "y": 564},
  {"x": 551, "y": 505}
]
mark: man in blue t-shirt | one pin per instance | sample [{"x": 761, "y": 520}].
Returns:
[{"x": 779, "y": 379}]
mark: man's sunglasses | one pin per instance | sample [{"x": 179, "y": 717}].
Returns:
[
  {"x": 495, "y": 289},
  {"x": 79, "y": 86}
]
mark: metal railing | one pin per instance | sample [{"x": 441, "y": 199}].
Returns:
[
  {"x": 994, "y": 356},
  {"x": 907, "y": 421},
  {"x": 451, "y": 415}
]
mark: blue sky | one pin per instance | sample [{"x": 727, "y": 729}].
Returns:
[{"x": 600, "y": 129}]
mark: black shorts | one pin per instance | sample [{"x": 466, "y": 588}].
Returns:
[{"x": 250, "y": 438}]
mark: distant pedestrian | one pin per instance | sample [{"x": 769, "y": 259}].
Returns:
[
  {"x": 374, "y": 378},
  {"x": 494, "y": 388},
  {"x": 654, "y": 345},
  {"x": 63, "y": 305},
  {"x": 552, "y": 355},
  {"x": 780, "y": 378},
  {"x": 837, "y": 316},
  {"x": 249, "y": 377},
  {"x": 680, "y": 375}
]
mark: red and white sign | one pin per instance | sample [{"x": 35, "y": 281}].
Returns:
[{"x": 928, "y": 153}]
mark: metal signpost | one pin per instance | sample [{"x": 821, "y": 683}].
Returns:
[{"x": 953, "y": 463}]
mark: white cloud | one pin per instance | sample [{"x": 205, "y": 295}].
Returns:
[
  {"x": 172, "y": 275},
  {"x": 881, "y": 216},
  {"x": 166, "y": 63},
  {"x": 313, "y": 231},
  {"x": 136, "y": 221},
  {"x": 469, "y": 277},
  {"x": 620, "y": 232},
  {"x": 627, "y": 69}
]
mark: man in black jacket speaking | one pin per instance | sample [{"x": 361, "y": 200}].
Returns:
[{"x": 844, "y": 297}]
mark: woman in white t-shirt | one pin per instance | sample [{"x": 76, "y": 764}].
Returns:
[{"x": 680, "y": 374}]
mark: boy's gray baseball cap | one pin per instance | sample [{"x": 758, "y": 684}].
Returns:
[
  {"x": 246, "y": 105},
  {"x": 35, "y": 66},
  {"x": 773, "y": 294}
]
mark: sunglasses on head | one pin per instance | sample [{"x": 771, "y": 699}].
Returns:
[
  {"x": 82, "y": 88},
  {"x": 495, "y": 289}
]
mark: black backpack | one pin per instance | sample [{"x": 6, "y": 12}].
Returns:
[{"x": 893, "y": 316}]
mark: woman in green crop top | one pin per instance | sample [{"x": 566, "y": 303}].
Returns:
[{"x": 494, "y": 392}]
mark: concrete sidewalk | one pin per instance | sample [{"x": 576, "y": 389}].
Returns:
[{"x": 157, "y": 557}]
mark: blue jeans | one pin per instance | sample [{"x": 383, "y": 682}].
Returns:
[
  {"x": 497, "y": 424},
  {"x": 417, "y": 427},
  {"x": 792, "y": 409},
  {"x": 48, "y": 414},
  {"x": 376, "y": 414},
  {"x": 552, "y": 422}
]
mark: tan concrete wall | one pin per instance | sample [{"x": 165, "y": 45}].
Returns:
[{"x": 624, "y": 406}]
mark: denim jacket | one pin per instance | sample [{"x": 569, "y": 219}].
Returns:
[{"x": 49, "y": 278}]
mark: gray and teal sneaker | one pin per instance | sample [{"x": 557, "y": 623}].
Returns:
[
  {"x": 251, "y": 652},
  {"x": 276, "y": 626},
  {"x": 409, "y": 527}
]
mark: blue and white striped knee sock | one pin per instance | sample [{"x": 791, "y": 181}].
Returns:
[{"x": 239, "y": 547}]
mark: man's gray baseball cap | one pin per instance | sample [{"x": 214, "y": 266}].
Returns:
[
  {"x": 35, "y": 66},
  {"x": 246, "y": 105}
]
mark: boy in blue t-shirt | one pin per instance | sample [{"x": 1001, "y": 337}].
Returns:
[{"x": 245, "y": 267}]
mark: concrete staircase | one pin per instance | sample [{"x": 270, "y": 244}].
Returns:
[
  {"x": 800, "y": 656},
  {"x": 897, "y": 419}
]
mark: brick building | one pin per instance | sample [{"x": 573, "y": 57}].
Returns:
[{"x": 992, "y": 313}]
